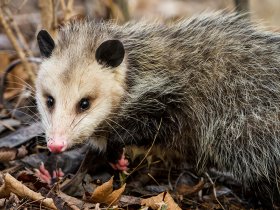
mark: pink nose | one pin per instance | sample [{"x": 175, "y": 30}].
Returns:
[
  {"x": 57, "y": 144},
  {"x": 56, "y": 148}
]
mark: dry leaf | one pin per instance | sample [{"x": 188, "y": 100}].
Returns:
[
  {"x": 105, "y": 193},
  {"x": 102, "y": 191},
  {"x": 115, "y": 196},
  {"x": 155, "y": 202},
  {"x": 162, "y": 206}
]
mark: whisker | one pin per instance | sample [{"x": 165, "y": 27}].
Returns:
[
  {"x": 122, "y": 127},
  {"x": 24, "y": 82},
  {"x": 115, "y": 131}
]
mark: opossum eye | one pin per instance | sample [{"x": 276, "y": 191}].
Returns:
[
  {"x": 84, "y": 104},
  {"x": 50, "y": 102},
  {"x": 110, "y": 53}
]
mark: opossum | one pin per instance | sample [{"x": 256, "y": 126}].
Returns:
[{"x": 207, "y": 87}]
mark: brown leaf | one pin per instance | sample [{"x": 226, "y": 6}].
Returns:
[
  {"x": 102, "y": 191},
  {"x": 115, "y": 196},
  {"x": 105, "y": 193},
  {"x": 155, "y": 202}
]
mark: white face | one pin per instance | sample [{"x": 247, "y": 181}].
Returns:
[{"x": 74, "y": 100}]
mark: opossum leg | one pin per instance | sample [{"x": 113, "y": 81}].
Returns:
[
  {"x": 116, "y": 156},
  {"x": 122, "y": 163},
  {"x": 43, "y": 174}
]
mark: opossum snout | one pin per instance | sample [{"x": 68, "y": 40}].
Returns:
[{"x": 57, "y": 144}]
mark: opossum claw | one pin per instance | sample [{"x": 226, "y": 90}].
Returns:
[
  {"x": 121, "y": 165},
  {"x": 44, "y": 175}
]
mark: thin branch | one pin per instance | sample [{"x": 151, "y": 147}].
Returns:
[
  {"x": 18, "y": 49},
  {"x": 67, "y": 8},
  {"x": 214, "y": 190},
  {"x": 48, "y": 15},
  {"x": 17, "y": 31},
  {"x": 149, "y": 150}
]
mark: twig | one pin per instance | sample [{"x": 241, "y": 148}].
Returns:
[
  {"x": 78, "y": 177},
  {"x": 214, "y": 190},
  {"x": 169, "y": 179},
  {"x": 17, "y": 31},
  {"x": 124, "y": 9},
  {"x": 115, "y": 11},
  {"x": 67, "y": 9},
  {"x": 149, "y": 150},
  {"x": 10, "y": 184},
  {"x": 7, "y": 125},
  {"x": 15, "y": 44},
  {"x": 48, "y": 15},
  {"x": 151, "y": 176}
]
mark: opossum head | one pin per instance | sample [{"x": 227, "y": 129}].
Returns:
[{"x": 78, "y": 87}]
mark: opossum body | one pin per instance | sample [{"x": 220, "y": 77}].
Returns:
[{"x": 209, "y": 86}]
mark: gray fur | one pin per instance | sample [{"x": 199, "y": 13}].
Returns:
[{"x": 212, "y": 82}]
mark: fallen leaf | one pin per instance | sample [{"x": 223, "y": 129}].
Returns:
[
  {"x": 106, "y": 194},
  {"x": 102, "y": 191},
  {"x": 115, "y": 196},
  {"x": 155, "y": 202},
  {"x": 162, "y": 205}
]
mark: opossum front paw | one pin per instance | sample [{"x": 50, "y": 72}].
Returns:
[
  {"x": 43, "y": 174},
  {"x": 121, "y": 165}
]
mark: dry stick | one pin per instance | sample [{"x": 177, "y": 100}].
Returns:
[
  {"x": 21, "y": 5},
  {"x": 115, "y": 11},
  {"x": 151, "y": 176},
  {"x": 21, "y": 190},
  {"x": 123, "y": 5},
  {"x": 17, "y": 31},
  {"x": 146, "y": 155},
  {"x": 7, "y": 125},
  {"x": 70, "y": 4},
  {"x": 47, "y": 15},
  {"x": 214, "y": 190},
  {"x": 63, "y": 5},
  {"x": 67, "y": 9},
  {"x": 15, "y": 44}
]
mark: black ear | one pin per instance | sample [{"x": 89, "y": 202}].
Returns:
[
  {"x": 110, "y": 53},
  {"x": 46, "y": 43}
]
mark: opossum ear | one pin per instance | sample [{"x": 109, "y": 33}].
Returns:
[
  {"x": 110, "y": 53},
  {"x": 46, "y": 43}
]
